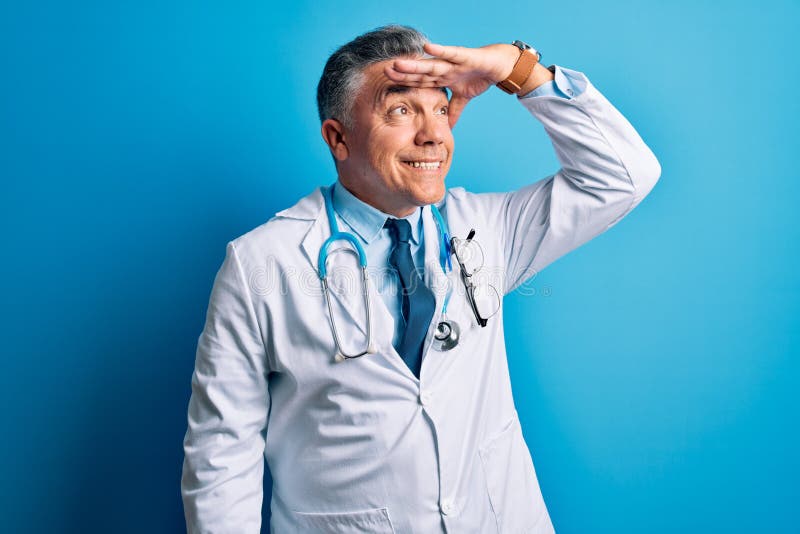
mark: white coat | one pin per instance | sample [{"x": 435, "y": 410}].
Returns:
[{"x": 363, "y": 445}]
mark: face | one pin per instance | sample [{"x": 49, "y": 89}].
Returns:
[{"x": 397, "y": 152}]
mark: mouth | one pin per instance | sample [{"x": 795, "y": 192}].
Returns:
[{"x": 424, "y": 165}]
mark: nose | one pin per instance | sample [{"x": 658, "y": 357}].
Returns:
[{"x": 432, "y": 129}]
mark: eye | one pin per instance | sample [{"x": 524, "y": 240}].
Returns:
[
  {"x": 399, "y": 110},
  {"x": 443, "y": 110}
]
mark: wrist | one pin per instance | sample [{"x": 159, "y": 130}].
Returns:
[
  {"x": 538, "y": 76},
  {"x": 509, "y": 55},
  {"x": 519, "y": 72}
]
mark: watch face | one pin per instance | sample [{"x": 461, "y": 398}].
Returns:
[{"x": 522, "y": 45}]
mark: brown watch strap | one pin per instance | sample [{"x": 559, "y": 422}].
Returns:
[{"x": 519, "y": 74}]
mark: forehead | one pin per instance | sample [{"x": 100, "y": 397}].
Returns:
[{"x": 377, "y": 87}]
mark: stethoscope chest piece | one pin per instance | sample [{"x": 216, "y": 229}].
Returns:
[{"x": 447, "y": 335}]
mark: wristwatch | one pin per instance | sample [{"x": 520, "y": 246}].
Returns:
[{"x": 528, "y": 57}]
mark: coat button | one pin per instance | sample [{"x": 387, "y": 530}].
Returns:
[
  {"x": 424, "y": 398},
  {"x": 448, "y": 507}
]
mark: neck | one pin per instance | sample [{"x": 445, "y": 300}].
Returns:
[{"x": 377, "y": 202}]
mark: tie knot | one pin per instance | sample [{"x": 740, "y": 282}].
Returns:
[{"x": 399, "y": 229}]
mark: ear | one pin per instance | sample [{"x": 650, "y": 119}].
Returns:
[{"x": 333, "y": 134}]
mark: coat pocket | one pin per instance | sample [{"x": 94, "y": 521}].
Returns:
[
  {"x": 511, "y": 482},
  {"x": 376, "y": 520}
]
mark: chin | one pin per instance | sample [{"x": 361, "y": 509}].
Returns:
[{"x": 430, "y": 195}]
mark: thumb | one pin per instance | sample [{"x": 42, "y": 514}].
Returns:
[{"x": 456, "y": 106}]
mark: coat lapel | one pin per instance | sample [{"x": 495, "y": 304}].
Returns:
[
  {"x": 344, "y": 278},
  {"x": 344, "y": 281}
]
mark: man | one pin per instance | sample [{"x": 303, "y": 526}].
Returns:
[{"x": 420, "y": 433}]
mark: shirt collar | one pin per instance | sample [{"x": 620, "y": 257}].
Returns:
[{"x": 367, "y": 221}]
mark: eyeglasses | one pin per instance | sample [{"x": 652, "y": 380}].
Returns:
[{"x": 483, "y": 297}]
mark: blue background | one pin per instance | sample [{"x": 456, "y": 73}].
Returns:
[{"x": 655, "y": 369}]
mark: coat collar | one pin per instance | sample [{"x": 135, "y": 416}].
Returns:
[
  {"x": 306, "y": 209},
  {"x": 312, "y": 208}
]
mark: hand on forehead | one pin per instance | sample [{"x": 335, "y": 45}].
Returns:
[{"x": 467, "y": 72}]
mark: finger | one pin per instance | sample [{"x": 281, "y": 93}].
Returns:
[
  {"x": 453, "y": 54},
  {"x": 435, "y": 84},
  {"x": 457, "y": 105},
  {"x": 415, "y": 80},
  {"x": 434, "y": 67},
  {"x": 408, "y": 79}
]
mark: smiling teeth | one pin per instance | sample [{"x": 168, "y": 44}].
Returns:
[{"x": 424, "y": 164}]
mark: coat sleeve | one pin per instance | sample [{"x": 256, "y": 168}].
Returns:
[
  {"x": 222, "y": 481},
  {"x": 606, "y": 170}
]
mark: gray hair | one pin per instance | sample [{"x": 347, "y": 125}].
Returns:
[{"x": 343, "y": 73}]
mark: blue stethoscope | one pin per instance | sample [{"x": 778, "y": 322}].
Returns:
[{"x": 447, "y": 331}]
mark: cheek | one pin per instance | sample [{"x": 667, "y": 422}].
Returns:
[
  {"x": 381, "y": 160},
  {"x": 450, "y": 142},
  {"x": 397, "y": 135},
  {"x": 385, "y": 149}
]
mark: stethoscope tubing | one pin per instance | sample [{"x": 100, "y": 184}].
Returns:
[{"x": 336, "y": 235}]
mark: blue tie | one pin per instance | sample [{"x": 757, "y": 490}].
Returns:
[{"x": 418, "y": 301}]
